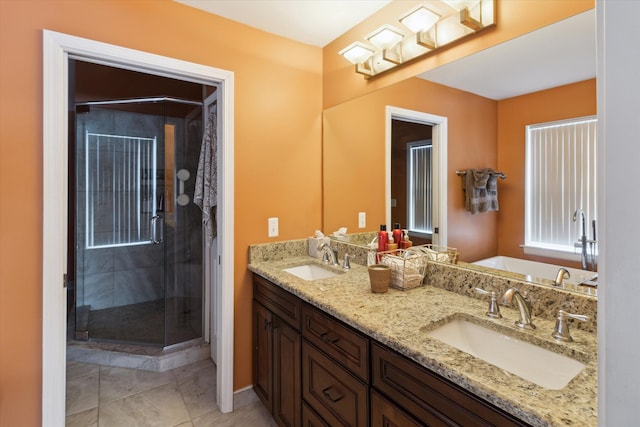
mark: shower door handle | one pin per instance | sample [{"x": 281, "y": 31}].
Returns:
[{"x": 154, "y": 229}]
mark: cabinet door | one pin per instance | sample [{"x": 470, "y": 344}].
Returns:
[
  {"x": 386, "y": 414},
  {"x": 263, "y": 355},
  {"x": 287, "y": 398}
]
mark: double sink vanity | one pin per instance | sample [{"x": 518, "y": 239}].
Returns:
[{"x": 330, "y": 352}]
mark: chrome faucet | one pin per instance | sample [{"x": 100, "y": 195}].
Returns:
[
  {"x": 329, "y": 255},
  {"x": 523, "y": 306},
  {"x": 563, "y": 273},
  {"x": 583, "y": 238}
]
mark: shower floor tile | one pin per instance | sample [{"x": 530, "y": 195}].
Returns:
[{"x": 144, "y": 322}]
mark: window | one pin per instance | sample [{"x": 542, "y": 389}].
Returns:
[
  {"x": 419, "y": 187},
  {"x": 120, "y": 190},
  {"x": 560, "y": 179}
]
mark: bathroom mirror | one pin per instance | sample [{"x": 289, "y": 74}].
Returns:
[{"x": 487, "y": 99}]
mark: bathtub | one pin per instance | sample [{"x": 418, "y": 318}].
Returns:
[{"x": 535, "y": 270}]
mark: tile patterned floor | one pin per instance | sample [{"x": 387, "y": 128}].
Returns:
[{"x": 105, "y": 396}]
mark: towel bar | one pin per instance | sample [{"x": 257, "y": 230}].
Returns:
[{"x": 498, "y": 174}]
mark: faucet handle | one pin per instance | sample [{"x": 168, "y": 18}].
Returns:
[
  {"x": 561, "y": 330},
  {"x": 494, "y": 308},
  {"x": 345, "y": 264}
]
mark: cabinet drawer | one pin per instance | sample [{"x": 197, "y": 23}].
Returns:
[
  {"x": 345, "y": 345},
  {"x": 386, "y": 414},
  {"x": 430, "y": 398},
  {"x": 280, "y": 302},
  {"x": 310, "y": 418},
  {"x": 338, "y": 397}
]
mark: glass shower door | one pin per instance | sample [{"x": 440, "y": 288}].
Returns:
[
  {"x": 182, "y": 230},
  {"x": 138, "y": 241},
  {"x": 120, "y": 278}
]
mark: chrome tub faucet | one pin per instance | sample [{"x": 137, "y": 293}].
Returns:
[
  {"x": 563, "y": 273},
  {"x": 583, "y": 238}
]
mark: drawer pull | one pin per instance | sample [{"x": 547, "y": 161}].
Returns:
[
  {"x": 332, "y": 394},
  {"x": 329, "y": 338}
]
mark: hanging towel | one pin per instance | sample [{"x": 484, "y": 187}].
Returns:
[
  {"x": 206, "y": 191},
  {"x": 481, "y": 190}
]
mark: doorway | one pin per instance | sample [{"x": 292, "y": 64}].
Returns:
[
  {"x": 438, "y": 130},
  {"x": 412, "y": 179},
  {"x": 57, "y": 50}
]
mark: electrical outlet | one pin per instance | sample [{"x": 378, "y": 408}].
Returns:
[
  {"x": 273, "y": 227},
  {"x": 362, "y": 219}
]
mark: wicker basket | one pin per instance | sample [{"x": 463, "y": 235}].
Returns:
[{"x": 409, "y": 266}]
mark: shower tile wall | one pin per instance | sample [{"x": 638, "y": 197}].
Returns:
[{"x": 115, "y": 276}]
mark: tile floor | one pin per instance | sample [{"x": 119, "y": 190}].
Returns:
[{"x": 184, "y": 397}]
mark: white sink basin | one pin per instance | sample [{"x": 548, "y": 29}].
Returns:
[
  {"x": 543, "y": 367},
  {"x": 311, "y": 272}
]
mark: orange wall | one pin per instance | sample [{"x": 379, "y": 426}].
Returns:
[
  {"x": 354, "y": 156},
  {"x": 514, "y": 18},
  {"x": 277, "y": 150},
  {"x": 564, "y": 102}
]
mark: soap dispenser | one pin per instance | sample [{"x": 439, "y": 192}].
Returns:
[
  {"x": 392, "y": 246},
  {"x": 405, "y": 243}
]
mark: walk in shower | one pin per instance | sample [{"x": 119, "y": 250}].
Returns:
[{"x": 138, "y": 235}]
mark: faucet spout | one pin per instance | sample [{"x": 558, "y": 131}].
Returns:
[
  {"x": 563, "y": 273},
  {"x": 523, "y": 306},
  {"x": 329, "y": 255}
]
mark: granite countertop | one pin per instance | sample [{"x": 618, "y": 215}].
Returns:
[{"x": 402, "y": 319}]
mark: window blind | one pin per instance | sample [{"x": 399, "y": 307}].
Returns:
[
  {"x": 560, "y": 178},
  {"x": 420, "y": 188}
]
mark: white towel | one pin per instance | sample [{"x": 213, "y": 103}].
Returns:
[{"x": 206, "y": 191}]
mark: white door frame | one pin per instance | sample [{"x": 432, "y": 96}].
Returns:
[
  {"x": 58, "y": 48},
  {"x": 439, "y": 137}
]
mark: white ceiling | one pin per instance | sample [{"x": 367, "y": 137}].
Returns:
[
  {"x": 314, "y": 22},
  {"x": 552, "y": 56},
  {"x": 558, "y": 54}
]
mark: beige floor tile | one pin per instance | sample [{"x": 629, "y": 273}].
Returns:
[
  {"x": 88, "y": 418},
  {"x": 199, "y": 391},
  {"x": 254, "y": 415},
  {"x": 82, "y": 393},
  {"x": 78, "y": 369},
  {"x": 160, "y": 407},
  {"x": 186, "y": 371},
  {"x": 184, "y": 397},
  {"x": 116, "y": 383}
]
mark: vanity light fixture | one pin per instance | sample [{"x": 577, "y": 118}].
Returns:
[
  {"x": 357, "y": 52},
  {"x": 429, "y": 27}
]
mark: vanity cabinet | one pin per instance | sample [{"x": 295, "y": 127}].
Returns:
[
  {"x": 313, "y": 370},
  {"x": 335, "y": 371},
  {"x": 277, "y": 345},
  {"x": 429, "y": 398}
]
